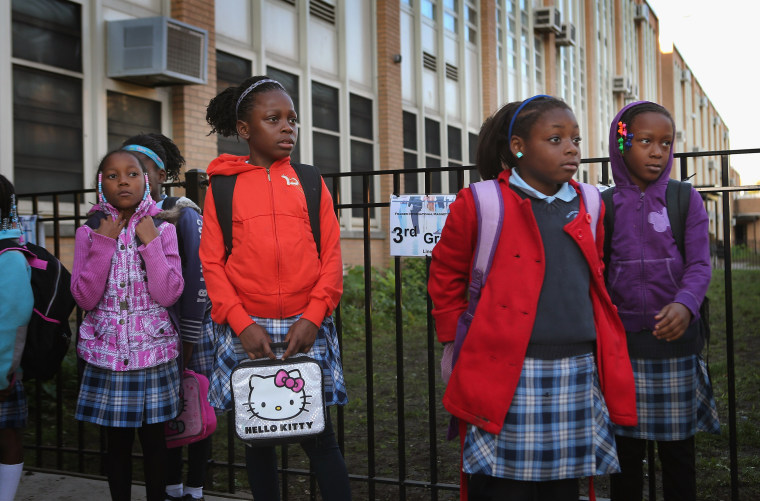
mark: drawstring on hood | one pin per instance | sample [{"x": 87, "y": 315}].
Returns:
[{"x": 146, "y": 207}]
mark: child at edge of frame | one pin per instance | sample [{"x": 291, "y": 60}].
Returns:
[
  {"x": 164, "y": 162},
  {"x": 16, "y": 304},
  {"x": 542, "y": 373},
  {"x": 674, "y": 397},
  {"x": 126, "y": 275},
  {"x": 274, "y": 286}
]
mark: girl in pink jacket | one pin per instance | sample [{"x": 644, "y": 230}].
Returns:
[{"x": 127, "y": 274}]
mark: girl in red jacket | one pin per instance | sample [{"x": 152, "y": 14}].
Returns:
[
  {"x": 273, "y": 285},
  {"x": 543, "y": 371}
]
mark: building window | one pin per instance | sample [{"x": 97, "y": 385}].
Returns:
[
  {"x": 231, "y": 71},
  {"x": 129, "y": 116},
  {"x": 471, "y": 23},
  {"x": 362, "y": 149},
  {"x": 454, "y": 136},
  {"x": 472, "y": 143},
  {"x": 450, "y": 15},
  {"x": 433, "y": 153},
  {"x": 47, "y": 104},
  {"x": 325, "y": 113},
  {"x": 427, "y": 7},
  {"x": 411, "y": 184}
]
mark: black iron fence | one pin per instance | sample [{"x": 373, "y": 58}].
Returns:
[{"x": 392, "y": 432}]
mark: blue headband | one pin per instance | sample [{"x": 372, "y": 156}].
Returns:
[
  {"x": 250, "y": 89},
  {"x": 519, "y": 109},
  {"x": 147, "y": 152}
]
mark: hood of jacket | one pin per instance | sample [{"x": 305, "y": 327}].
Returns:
[
  {"x": 620, "y": 173},
  {"x": 228, "y": 165},
  {"x": 146, "y": 207}
]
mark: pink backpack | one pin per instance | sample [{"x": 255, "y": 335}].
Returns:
[{"x": 196, "y": 419}]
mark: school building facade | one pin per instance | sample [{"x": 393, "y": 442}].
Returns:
[{"x": 377, "y": 84}]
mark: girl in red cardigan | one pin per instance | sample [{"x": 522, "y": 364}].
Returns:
[{"x": 543, "y": 371}]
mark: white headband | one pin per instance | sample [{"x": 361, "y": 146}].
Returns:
[{"x": 250, "y": 89}]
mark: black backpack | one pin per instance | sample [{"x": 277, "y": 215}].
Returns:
[
  {"x": 224, "y": 186},
  {"x": 48, "y": 334},
  {"x": 677, "y": 197}
]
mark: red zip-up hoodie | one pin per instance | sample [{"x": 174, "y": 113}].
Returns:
[{"x": 274, "y": 270}]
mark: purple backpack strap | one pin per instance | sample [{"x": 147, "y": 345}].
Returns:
[
  {"x": 592, "y": 199},
  {"x": 489, "y": 206}
]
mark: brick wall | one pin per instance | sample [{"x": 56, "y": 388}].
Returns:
[
  {"x": 390, "y": 132},
  {"x": 189, "y": 102}
]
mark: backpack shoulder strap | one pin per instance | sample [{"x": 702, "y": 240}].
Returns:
[
  {"x": 677, "y": 198},
  {"x": 489, "y": 207},
  {"x": 223, "y": 188},
  {"x": 311, "y": 182},
  {"x": 609, "y": 225},
  {"x": 592, "y": 199}
]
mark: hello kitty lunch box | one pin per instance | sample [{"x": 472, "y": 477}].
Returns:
[{"x": 278, "y": 401}]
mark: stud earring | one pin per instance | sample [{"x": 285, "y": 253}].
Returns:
[{"x": 519, "y": 154}]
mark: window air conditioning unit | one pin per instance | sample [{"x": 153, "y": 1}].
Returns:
[
  {"x": 547, "y": 20},
  {"x": 156, "y": 51},
  {"x": 702, "y": 101},
  {"x": 621, "y": 85},
  {"x": 679, "y": 136},
  {"x": 567, "y": 35},
  {"x": 686, "y": 75},
  {"x": 695, "y": 149},
  {"x": 642, "y": 13},
  {"x": 725, "y": 134},
  {"x": 633, "y": 94},
  {"x": 716, "y": 120}
]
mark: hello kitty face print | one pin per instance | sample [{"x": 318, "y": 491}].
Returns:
[{"x": 278, "y": 397}]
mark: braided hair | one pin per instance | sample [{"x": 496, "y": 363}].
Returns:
[
  {"x": 494, "y": 150},
  {"x": 225, "y": 109},
  {"x": 166, "y": 150}
]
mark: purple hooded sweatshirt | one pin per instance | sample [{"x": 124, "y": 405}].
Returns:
[{"x": 646, "y": 270}]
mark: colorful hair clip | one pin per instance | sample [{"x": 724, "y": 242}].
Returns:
[{"x": 625, "y": 139}]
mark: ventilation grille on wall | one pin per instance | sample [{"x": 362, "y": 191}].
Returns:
[
  {"x": 429, "y": 61},
  {"x": 322, "y": 10},
  {"x": 157, "y": 51},
  {"x": 452, "y": 72}
]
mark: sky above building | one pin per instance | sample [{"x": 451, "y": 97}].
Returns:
[{"x": 719, "y": 42}]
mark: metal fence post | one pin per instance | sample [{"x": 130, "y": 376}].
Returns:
[{"x": 196, "y": 184}]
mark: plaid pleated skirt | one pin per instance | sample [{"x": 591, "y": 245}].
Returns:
[
  {"x": 14, "y": 412},
  {"x": 557, "y": 427},
  {"x": 202, "y": 358},
  {"x": 229, "y": 353},
  {"x": 674, "y": 399},
  {"x": 129, "y": 399}
]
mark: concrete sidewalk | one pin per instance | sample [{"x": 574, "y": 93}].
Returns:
[{"x": 38, "y": 486}]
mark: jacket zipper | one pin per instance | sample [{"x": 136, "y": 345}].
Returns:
[
  {"x": 276, "y": 243},
  {"x": 642, "y": 202}
]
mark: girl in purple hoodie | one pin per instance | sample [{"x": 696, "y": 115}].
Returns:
[
  {"x": 658, "y": 292},
  {"x": 126, "y": 274}
]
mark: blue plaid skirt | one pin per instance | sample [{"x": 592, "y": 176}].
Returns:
[
  {"x": 202, "y": 358},
  {"x": 229, "y": 353},
  {"x": 557, "y": 427},
  {"x": 129, "y": 399},
  {"x": 674, "y": 399},
  {"x": 13, "y": 410}
]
